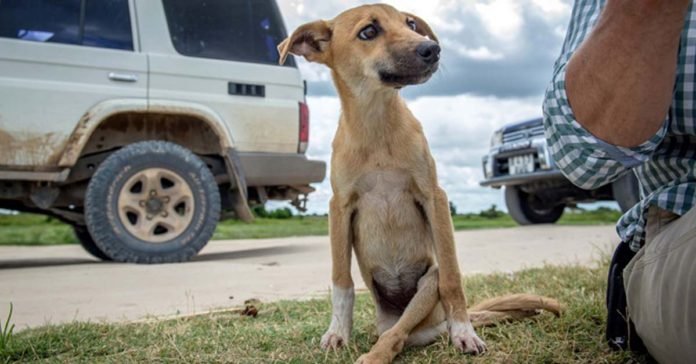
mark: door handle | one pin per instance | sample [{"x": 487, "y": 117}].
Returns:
[{"x": 123, "y": 77}]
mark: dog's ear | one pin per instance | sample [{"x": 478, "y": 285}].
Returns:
[
  {"x": 422, "y": 27},
  {"x": 310, "y": 41}
]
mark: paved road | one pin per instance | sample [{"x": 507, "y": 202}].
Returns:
[{"x": 62, "y": 283}]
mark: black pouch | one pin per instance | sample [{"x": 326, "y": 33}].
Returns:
[{"x": 620, "y": 333}]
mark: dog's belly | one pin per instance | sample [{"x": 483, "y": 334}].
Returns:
[
  {"x": 391, "y": 237},
  {"x": 394, "y": 289}
]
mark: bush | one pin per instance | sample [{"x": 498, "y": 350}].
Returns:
[
  {"x": 259, "y": 211},
  {"x": 453, "y": 209},
  {"x": 283, "y": 213},
  {"x": 492, "y": 213}
]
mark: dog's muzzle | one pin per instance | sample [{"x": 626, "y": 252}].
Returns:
[
  {"x": 429, "y": 52},
  {"x": 412, "y": 67}
]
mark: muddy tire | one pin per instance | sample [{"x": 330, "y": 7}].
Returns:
[
  {"x": 85, "y": 239},
  {"x": 526, "y": 209},
  {"x": 152, "y": 202}
]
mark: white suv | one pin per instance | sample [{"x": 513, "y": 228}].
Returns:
[{"x": 140, "y": 121}]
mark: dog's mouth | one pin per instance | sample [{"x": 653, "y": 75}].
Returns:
[{"x": 399, "y": 79}]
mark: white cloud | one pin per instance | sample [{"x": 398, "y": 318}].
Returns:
[
  {"x": 437, "y": 13},
  {"x": 314, "y": 72},
  {"x": 553, "y": 8},
  {"x": 502, "y": 18},
  {"x": 481, "y": 53},
  {"x": 500, "y": 47}
]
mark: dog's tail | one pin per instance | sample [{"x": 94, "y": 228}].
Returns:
[{"x": 511, "y": 308}]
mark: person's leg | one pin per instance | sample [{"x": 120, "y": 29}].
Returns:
[
  {"x": 620, "y": 333},
  {"x": 661, "y": 288}
]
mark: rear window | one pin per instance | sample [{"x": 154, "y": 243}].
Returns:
[
  {"x": 95, "y": 23},
  {"x": 236, "y": 30}
]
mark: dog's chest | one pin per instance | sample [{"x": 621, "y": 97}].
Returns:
[
  {"x": 382, "y": 182},
  {"x": 384, "y": 192},
  {"x": 387, "y": 214}
]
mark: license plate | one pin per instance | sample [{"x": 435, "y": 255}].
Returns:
[{"x": 521, "y": 164}]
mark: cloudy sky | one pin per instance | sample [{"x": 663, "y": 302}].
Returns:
[{"x": 496, "y": 61}]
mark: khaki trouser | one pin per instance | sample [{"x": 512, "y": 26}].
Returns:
[{"x": 660, "y": 284}]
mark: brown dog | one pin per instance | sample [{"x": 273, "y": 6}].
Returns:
[{"x": 387, "y": 205}]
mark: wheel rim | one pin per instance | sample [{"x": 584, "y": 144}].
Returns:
[{"x": 156, "y": 205}]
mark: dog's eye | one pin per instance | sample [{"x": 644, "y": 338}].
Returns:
[
  {"x": 368, "y": 33},
  {"x": 411, "y": 24}
]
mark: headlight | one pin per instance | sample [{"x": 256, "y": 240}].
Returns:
[
  {"x": 487, "y": 168},
  {"x": 497, "y": 139}
]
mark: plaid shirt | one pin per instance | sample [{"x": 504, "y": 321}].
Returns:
[{"x": 665, "y": 164}]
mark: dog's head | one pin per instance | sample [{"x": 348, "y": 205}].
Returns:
[{"x": 371, "y": 45}]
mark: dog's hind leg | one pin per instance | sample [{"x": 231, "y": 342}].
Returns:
[
  {"x": 392, "y": 341},
  {"x": 385, "y": 320},
  {"x": 490, "y": 312},
  {"x": 432, "y": 328}
]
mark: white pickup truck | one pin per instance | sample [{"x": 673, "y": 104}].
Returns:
[{"x": 142, "y": 122}]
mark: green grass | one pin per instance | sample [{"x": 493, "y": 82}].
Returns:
[
  {"x": 289, "y": 332},
  {"x": 29, "y": 229},
  {"x": 600, "y": 216},
  {"x": 271, "y": 228},
  {"x": 6, "y": 330}
]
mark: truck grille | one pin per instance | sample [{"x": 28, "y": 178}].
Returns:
[{"x": 523, "y": 134}]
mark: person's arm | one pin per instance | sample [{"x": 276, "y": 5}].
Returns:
[
  {"x": 620, "y": 81},
  {"x": 590, "y": 157}
]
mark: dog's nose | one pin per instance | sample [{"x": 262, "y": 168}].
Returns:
[{"x": 429, "y": 51}]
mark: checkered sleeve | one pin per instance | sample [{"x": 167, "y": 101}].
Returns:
[{"x": 586, "y": 160}]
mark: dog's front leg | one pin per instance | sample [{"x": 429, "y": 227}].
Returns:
[
  {"x": 343, "y": 294},
  {"x": 452, "y": 296}
]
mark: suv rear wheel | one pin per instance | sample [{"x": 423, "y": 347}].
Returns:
[
  {"x": 527, "y": 209},
  {"x": 152, "y": 202},
  {"x": 82, "y": 235}
]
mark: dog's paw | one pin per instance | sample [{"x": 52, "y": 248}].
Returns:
[
  {"x": 370, "y": 358},
  {"x": 333, "y": 340},
  {"x": 465, "y": 339}
]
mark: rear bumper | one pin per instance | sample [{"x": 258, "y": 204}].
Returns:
[
  {"x": 281, "y": 169},
  {"x": 522, "y": 179}
]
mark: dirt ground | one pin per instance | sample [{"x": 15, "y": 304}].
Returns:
[{"x": 62, "y": 283}]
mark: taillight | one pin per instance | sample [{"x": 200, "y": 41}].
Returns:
[{"x": 304, "y": 128}]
